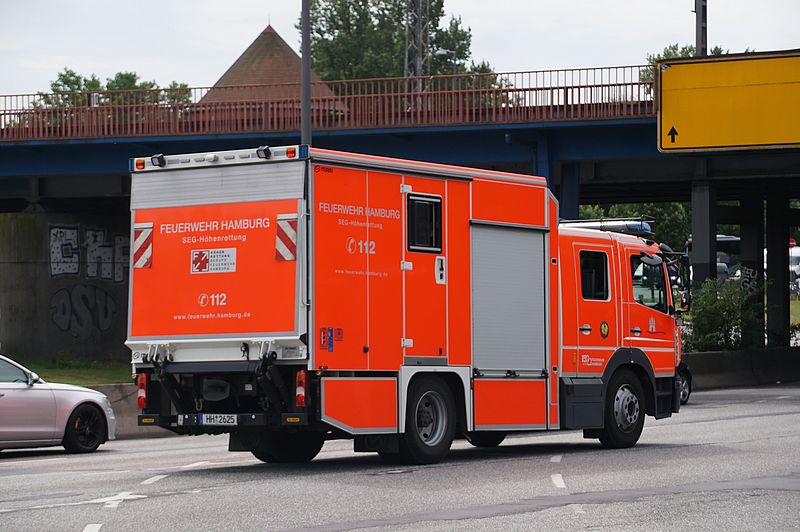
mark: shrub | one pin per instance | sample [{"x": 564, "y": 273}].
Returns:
[{"x": 721, "y": 311}]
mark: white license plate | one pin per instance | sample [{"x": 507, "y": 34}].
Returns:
[{"x": 218, "y": 419}]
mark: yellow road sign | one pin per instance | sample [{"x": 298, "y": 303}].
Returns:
[{"x": 731, "y": 102}]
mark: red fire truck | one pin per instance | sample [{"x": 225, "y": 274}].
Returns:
[{"x": 291, "y": 295}]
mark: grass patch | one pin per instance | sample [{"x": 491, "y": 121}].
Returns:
[
  {"x": 794, "y": 311},
  {"x": 82, "y": 373}
]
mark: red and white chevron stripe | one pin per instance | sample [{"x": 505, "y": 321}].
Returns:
[
  {"x": 142, "y": 245},
  {"x": 286, "y": 238}
]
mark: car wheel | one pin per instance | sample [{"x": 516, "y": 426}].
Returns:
[
  {"x": 86, "y": 430},
  {"x": 624, "y": 411},
  {"x": 430, "y": 422},
  {"x": 486, "y": 439},
  {"x": 685, "y": 387},
  {"x": 289, "y": 448}
]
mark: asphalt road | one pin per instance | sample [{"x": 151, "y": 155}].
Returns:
[{"x": 729, "y": 461}]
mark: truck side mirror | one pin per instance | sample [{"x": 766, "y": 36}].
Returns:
[{"x": 650, "y": 259}]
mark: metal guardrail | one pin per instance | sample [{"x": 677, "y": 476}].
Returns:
[{"x": 513, "y": 97}]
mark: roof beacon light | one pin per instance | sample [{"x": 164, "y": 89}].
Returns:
[
  {"x": 139, "y": 165},
  {"x": 158, "y": 160},
  {"x": 291, "y": 153},
  {"x": 263, "y": 152}
]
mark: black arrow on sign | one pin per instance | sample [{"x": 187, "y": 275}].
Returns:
[{"x": 672, "y": 134}]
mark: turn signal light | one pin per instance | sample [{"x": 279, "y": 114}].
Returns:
[
  {"x": 141, "y": 392},
  {"x": 300, "y": 389}
]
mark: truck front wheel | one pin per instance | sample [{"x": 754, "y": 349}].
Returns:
[
  {"x": 288, "y": 448},
  {"x": 430, "y": 422},
  {"x": 624, "y": 411}
]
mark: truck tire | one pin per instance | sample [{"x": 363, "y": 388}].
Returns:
[
  {"x": 85, "y": 430},
  {"x": 624, "y": 411},
  {"x": 486, "y": 439},
  {"x": 288, "y": 448},
  {"x": 430, "y": 422},
  {"x": 686, "y": 386}
]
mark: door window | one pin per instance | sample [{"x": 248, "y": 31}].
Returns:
[
  {"x": 594, "y": 275},
  {"x": 11, "y": 373},
  {"x": 649, "y": 288},
  {"x": 425, "y": 224}
]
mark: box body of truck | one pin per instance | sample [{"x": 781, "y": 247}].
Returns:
[{"x": 291, "y": 295}]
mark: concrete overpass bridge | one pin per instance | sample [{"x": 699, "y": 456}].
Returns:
[{"x": 591, "y": 132}]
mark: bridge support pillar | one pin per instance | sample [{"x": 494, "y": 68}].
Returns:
[
  {"x": 778, "y": 267},
  {"x": 570, "y": 196},
  {"x": 704, "y": 232},
  {"x": 751, "y": 256}
]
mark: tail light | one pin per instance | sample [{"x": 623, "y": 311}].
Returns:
[
  {"x": 300, "y": 389},
  {"x": 141, "y": 391}
]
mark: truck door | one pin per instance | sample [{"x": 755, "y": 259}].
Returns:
[
  {"x": 424, "y": 268},
  {"x": 650, "y": 328},
  {"x": 598, "y": 319}
]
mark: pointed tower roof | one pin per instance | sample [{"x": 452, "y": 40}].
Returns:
[{"x": 268, "y": 62}]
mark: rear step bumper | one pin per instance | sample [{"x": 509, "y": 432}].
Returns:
[{"x": 195, "y": 422}]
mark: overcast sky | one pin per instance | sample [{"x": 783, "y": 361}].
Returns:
[{"x": 194, "y": 41}]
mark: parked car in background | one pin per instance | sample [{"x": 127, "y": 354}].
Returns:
[{"x": 35, "y": 413}]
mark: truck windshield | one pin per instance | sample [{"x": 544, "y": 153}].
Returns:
[{"x": 649, "y": 285}]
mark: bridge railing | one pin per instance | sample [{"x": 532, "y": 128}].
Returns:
[{"x": 512, "y": 97}]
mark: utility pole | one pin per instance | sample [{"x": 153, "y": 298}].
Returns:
[
  {"x": 305, "y": 75},
  {"x": 418, "y": 39},
  {"x": 701, "y": 28}
]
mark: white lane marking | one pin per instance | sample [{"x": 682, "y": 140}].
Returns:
[
  {"x": 94, "y": 473},
  {"x": 152, "y": 480},
  {"x": 558, "y": 481},
  {"x": 114, "y": 500},
  {"x": 556, "y": 459},
  {"x": 93, "y": 527},
  {"x": 784, "y": 397},
  {"x": 195, "y": 464},
  {"x": 30, "y": 461}
]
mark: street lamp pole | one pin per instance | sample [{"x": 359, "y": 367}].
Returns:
[
  {"x": 305, "y": 75},
  {"x": 701, "y": 28}
]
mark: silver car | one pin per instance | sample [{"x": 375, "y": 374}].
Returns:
[{"x": 34, "y": 413}]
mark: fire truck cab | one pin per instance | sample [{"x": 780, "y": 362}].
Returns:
[{"x": 290, "y": 295}]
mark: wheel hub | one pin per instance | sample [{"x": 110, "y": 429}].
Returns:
[
  {"x": 431, "y": 418},
  {"x": 626, "y": 408}
]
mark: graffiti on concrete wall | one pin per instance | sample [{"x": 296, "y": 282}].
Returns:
[
  {"x": 104, "y": 257},
  {"x": 86, "y": 254},
  {"x": 82, "y": 309}
]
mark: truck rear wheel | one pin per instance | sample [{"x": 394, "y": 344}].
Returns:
[
  {"x": 288, "y": 448},
  {"x": 624, "y": 411},
  {"x": 430, "y": 422}
]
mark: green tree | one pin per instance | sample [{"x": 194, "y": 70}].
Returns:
[
  {"x": 591, "y": 212},
  {"x": 87, "y": 102},
  {"x": 672, "y": 221},
  {"x": 354, "y": 39},
  {"x": 675, "y": 51}
]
